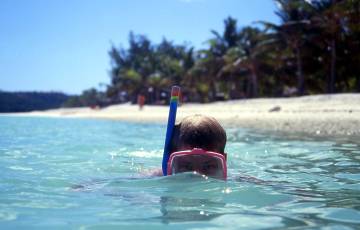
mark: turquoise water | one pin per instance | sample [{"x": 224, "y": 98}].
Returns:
[{"x": 89, "y": 174}]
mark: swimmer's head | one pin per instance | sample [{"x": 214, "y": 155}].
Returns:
[
  {"x": 198, "y": 145},
  {"x": 199, "y": 131}
]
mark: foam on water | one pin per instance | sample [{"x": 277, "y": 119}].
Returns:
[{"x": 93, "y": 174}]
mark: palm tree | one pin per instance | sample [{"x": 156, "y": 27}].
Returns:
[
  {"x": 247, "y": 57},
  {"x": 352, "y": 50},
  {"x": 294, "y": 15},
  {"x": 228, "y": 39},
  {"x": 119, "y": 62},
  {"x": 131, "y": 68},
  {"x": 329, "y": 18},
  {"x": 202, "y": 76},
  {"x": 210, "y": 61}
]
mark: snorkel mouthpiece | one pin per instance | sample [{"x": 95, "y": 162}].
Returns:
[{"x": 175, "y": 93}]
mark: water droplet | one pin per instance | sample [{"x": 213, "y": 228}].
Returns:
[{"x": 227, "y": 190}]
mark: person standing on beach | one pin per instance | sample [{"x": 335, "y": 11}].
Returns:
[{"x": 141, "y": 101}]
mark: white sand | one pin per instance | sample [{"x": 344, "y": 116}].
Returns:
[{"x": 316, "y": 115}]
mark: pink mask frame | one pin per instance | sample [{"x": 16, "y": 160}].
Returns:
[{"x": 198, "y": 152}]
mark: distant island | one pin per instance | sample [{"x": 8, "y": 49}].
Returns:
[{"x": 30, "y": 101}]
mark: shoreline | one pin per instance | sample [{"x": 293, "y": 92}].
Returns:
[{"x": 319, "y": 115}]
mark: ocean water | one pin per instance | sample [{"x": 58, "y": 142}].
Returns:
[{"x": 93, "y": 174}]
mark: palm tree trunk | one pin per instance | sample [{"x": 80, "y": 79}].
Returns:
[
  {"x": 213, "y": 91},
  {"x": 254, "y": 82},
  {"x": 248, "y": 87},
  {"x": 299, "y": 72},
  {"x": 331, "y": 86}
]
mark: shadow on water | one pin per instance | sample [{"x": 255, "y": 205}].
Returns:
[{"x": 190, "y": 198}]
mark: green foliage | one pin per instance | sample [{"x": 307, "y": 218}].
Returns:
[
  {"x": 314, "y": 49},
  {"x": 88, "y": 98},
  {"x": 29, "y": 101}
]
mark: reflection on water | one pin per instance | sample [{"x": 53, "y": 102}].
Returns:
[{"x": 88, "y": 174}]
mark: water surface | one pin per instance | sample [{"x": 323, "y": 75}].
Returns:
[{"x": 89, "y": 174}]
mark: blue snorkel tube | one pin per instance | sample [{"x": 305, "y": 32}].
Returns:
[{"x": 175, "y": 93}]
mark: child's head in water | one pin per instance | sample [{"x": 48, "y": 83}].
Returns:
[{"x": 199, "y": 132}]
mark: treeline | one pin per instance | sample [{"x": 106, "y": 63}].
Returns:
[
  {"x": 29, "y": 101},
  {"x": 90, "y": 97},
  {"x": 314, "y": 49}
]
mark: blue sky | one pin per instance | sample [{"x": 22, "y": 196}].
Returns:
[{"x": 62, "y": 45}]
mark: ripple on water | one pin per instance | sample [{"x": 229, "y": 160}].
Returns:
[
  {"x": 146, "y": 154},
  {"x": 7, "y": 216},
  {"x": 341, "y": 214},
  {"x": 248, "y": 221},
  {"x": 20, "y": 168}
]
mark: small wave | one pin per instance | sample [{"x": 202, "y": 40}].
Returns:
[
  {"x": 146, "y": 154},
  {"x": 7, "y": 216},
  {"x": 20, "y": 168}
]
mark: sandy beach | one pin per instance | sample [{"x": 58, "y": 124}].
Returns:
[{"x": 321, "y": 115}]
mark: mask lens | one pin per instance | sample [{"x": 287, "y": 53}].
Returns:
[{"x": 206, "y": 164}]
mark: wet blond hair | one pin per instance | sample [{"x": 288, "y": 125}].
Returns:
[{"x": 199, "y": 131}]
